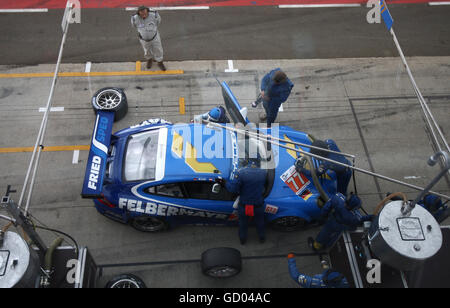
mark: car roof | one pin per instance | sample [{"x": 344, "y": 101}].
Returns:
[{"x": 197, "y": 152}]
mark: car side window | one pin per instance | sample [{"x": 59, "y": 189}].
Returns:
[
  {"x": 167, "y": 190},
  {"x": 203, "y": 191}
]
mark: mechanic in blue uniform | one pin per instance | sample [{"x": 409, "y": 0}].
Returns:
[
  {"x": 249, "y": 182},
  {"x": 328, "y": 279},
  {"x": 216, "y": 115},
  {"x": 343, "y": 215},
  {"x": 343, "y": 174},
  {"x": 275, "y": 90},
  {"x": 436, "y": 207}
]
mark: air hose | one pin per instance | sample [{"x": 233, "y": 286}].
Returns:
[
  {"x": 382, "y": 203},
  {"x": 49, "y": 255},
  {"x": 323, "y": 195}
]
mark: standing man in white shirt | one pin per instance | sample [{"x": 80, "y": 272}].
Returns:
[{"x": 146, "y": 22}]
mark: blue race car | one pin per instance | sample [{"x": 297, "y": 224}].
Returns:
[{"x": 157, "y": 175}]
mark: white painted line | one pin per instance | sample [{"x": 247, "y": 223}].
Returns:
[
  {"x": 438, "y": 3},
  {"x": 231, "y": 68},
  {"x": 412, "y": 177},
  {"x": 309, "y": 6},
  {"x": 76, "y": 154},
  {"x": 171, "y": 8},
  {"x": 88, "y": 67},
  {"x": 53, "y": 109},
  {"x": 23, "y": 10}
]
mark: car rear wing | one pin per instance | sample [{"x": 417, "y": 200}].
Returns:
[{"x": 98, "y": 155}]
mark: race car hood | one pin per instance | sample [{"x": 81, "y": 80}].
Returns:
[{"x": 236, "y": 112}]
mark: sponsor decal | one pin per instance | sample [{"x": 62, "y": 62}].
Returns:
[
  {"x": 153, "y": 208},
  {"x": 295, "y": 180},
  {"x": 94, "y": 172},
  {"x": 271, "y": 209}
]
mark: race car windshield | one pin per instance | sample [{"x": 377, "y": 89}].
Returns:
[{"x": 141, "y": 156}]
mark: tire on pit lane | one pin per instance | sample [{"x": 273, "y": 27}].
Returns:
[
  {"x": 222, "y": 262},
  {"x": 111, "y": 99},
  {"x": 149, "y": 224},
  {"x": 126, "y": 281}
]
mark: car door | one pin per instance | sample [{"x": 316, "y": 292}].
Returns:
[{"x": 217, "y": 207}]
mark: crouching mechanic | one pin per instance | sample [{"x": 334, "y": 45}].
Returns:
[
  {"x": 343, "y": 215},
  {"x": 328, "y": 279},
  {"x": 249, "y": 182},
  {"x": 216, "y": 115},
  {"x": 436, "y": 207},
  {"x": 343, "y": 174}
]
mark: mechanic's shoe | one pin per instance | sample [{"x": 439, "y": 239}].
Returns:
[
  {"x": 316, "y": 247},
  {"x": 162, "y": 66},
  {"x": 149, "y": 63},
  {"x": 255, "y": 104},
  {"x": 262, "y": 240},
  {"x": 243, "y": 241},
  {"x": 263, "y": 117}
]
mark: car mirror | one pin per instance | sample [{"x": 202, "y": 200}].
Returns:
[{"x": 216, "y": 188}]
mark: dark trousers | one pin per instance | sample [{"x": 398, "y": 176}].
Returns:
[
  {"x": 244, "y": 221},
  {"x": 271, "y": 113}
]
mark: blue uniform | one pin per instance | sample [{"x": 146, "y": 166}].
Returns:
[
  {"x": 217, "y": 114},
  {"x": 328, "y": 279},
  {"x": 277, "y": 94},
  {"x": 249, "y": 183},
  {"x": 434, "y": 205},
  {"x": 343, "y": 174},
  {"x": 340, "y": 219}
]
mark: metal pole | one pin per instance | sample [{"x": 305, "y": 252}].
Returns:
[
  {"x": 302, "y": 144},
  {"x": 334, "y": 162},
  {"x": 432, "y": 161},
  {"x": 423, "y": 104},
  {"x": 40, "y": 138},
  {"x": 8, "y": 219}
]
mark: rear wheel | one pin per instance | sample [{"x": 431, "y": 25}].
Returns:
[
  {"x": 111, "y": 99},
  {"x": 149, "y": 224},
  {"x": 221, "y": 262},
  {"x": 289, "y": 223}
]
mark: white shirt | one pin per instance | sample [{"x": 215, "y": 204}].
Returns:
[{"x": 148, "y": 27}]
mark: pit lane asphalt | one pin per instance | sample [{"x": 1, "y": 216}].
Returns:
[
  {"x": 221, "y": 33},
  {"x": 367, "y": 105}
]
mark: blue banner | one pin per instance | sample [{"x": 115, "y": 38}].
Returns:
[
  {"x": 98, "y": 155},
  {"x": 386, "y": 15}
]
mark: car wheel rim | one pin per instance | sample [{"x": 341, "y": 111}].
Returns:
[
  {"x": 125, "y": 284},
  {"x": 222, "y": 271},
  {"x": 108, "y": 99},
  {"x": 149, "y": 224}
]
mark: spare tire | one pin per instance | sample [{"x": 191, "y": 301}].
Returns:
[
  {"x": 126, "y": 281},
  {"x": 221, "y": 262},
  {"x": 111, "y": 99}
]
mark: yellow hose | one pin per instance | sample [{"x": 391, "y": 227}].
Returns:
[{"x": 382, "y": 203}]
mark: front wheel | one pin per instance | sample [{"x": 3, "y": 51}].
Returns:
[
  {"x": 289, "y": 223},
  {"x": 149, "y": 224}
]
